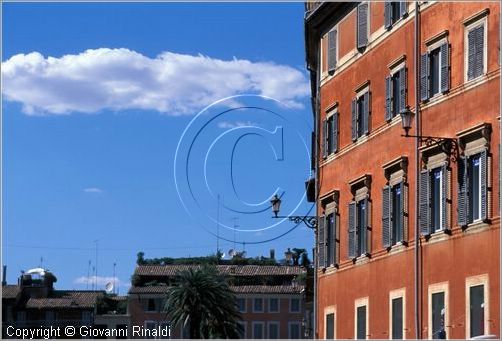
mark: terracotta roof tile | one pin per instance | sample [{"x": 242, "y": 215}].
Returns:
[
  {"x": 238, "y": 289},
  {"x": 10, "y": 291},
  {"x": 66, "y": 299},
  {"x": 154, "y": 289},
  {"x": 232, "y": 270}
]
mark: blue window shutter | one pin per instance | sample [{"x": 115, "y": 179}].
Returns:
[
  {"x": 402, "y": 89},
  {"x": 354, "y": 120},
  {"x": 386, "y": 217},
  {"x": 321, "y": 242},
  {"x": 366, "y": 228},
  {"x": 424, "y": 77},
  {"x": 445, "y": 67},
  {"x": 404, "y": 213},
  {"x": 445, "y": 189},
  {"x": 352, "y": 230},
  {"x": 331, "y": 50},
  {"x": 336, "y": 239},
  {"x": 484, "y": 178},
  {"x": 362, "y": 25},
  {"x": 324, "y": 145},
  {"x": 463, "y": 197},
  {"x": 366, "y": 112},
  {"x": 403, "y": 8},
  {"x": 424, "y": 203},
  {"x": 388, "y": 98},
  {"x": 471, "y": 53},
  {"x": 335, "y": 132},
  {"x": 388, "y": 14}
]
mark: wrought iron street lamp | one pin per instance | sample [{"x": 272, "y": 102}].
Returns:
[
  {"x": 448, "y": 145},
  {"x": 309, "y": 221}
]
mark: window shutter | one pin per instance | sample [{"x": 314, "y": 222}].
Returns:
[
  {"x": 424, "y": 203},
  {"x": 480, "y": 34},
  {"x": 404, "y": 213},
  {"x": 331, "y": 50},
  {"x": 324, "y": 139},
  {"x": 445, "y": 67},
  {"x": 354, "y": 120},
  {"x": 424, "y": 77},
  {"x": 402, "y": 89},
  {"x": 471, "y": 53},
  {"x": 463, "y": 196},
  {"x": 352, "y": 230},
  {"x": 366, "y": 227},
  {"x": 362, "y": 25},
  {"x": 334, "y": 246},
  {"x": 388, "y": 14},
  {"x": 404, "y": 8},
  {"x": 321, "y": 242},
  {"x": 366, "y": 112},
  {"x": 386, "y": 218},
  {"x": 445, "y": 192},
  {"x": 484, "y": 178},
  {"x": 335, "y": 132},
  {"x": 388, "y": 98}
]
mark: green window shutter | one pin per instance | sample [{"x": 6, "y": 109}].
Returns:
[
  {"x": 484, "y": 181},
  {"x": 366, "y": 112},
  {"x": 445, "y": 67},
  {"x": 388, "y": 14},
  {"x": 445, "y": 192},
  {"x": 321, "y": 242},
  {"x": 424, "y": 203},
  {"x": 386, "y": 217},
  {"x": 404, "y": 213},
  {"x": 352, "y": 230},
  {"x": 331, "y": 50},
  {"x": 463, "y": 197},
  {"x": 388, "y": 98},
  {"x": 424, "y": 77},
  {"x": 354, "y": 120},
  {"x": 362, "y": 25},
  {"x": 402, "y": 90}
]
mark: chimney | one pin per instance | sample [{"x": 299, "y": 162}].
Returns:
[
  {"x": 4, "y": 275},
  {"x": 272, "y": 254}
]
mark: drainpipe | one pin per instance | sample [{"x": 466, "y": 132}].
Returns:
[{"x": 418, "y": 291}]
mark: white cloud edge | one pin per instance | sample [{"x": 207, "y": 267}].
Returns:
[{"x": 93, "y": 190}]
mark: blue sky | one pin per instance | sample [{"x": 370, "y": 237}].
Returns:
[{"x": 96, "y": 99}]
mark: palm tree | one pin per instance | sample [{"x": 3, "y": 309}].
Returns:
[{"x": 203, "y": 301}]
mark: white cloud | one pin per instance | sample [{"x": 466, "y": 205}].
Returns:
[
  {"x": 101, "y": 281},
  {"x": 93, "y": 190},
  {"x": 235, "y": 124},
  {"x": 120, "y": 79}
]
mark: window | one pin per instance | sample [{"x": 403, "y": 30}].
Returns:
[
  {"x": 362, "y": 25},
  {"x": 438, "y": 315},
  {"x": 164, "y": 326},
  {"x": 361, "y": 322},
  {"x": 150, "y": 327},
  {"x": 258, "y": 330},
  {"x": 86, "y": 315},
  {"x": 361, "y": 115},
  {"x": 151, "y": 305},
  {"x": 242, "y": 331},
  {"x": 241, "y": 303},
  {"x": 294, "y": 330},
  {"x": 433, "y": 197},
  {"x": 475, "y": 48},
  {"x": 330, "y": 326},
  {"x": 395, "y": 93},
  {"x": 359, "y": 218},
  {"x": 258, "y": 305},
  {"x": 435, "y": 70},
  {"x": 328, "y": 232},
  {"x": 477, "y": 310},
  {"x": 394, "y": 10},
  {"x": 397, "y": 318},
  {"x": 49, "y": 317},
  {"x": 472, "y": 191},
  {"x": 330, "y": 134},
  {"x": 273, "y": 330},
  {"x": 294, "y": 305},
  {"x": 273, "y": 305},
  {"x": 332, "y": 50},
  {"x": 436, "y": 202},
  {"x": 330, "y": 238}
]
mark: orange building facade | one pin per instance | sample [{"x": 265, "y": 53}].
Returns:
[{"x": 378, "y": 190}]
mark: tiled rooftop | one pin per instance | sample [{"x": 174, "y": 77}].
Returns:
[{"x": 232, "y": 270}]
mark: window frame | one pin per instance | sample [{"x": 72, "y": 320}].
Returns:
[
  {"x": 253, "y": 324},
  {"x": 434, "y": 289},
  {"x": 328, "y": 311},
  {"x": 275, "y": 323},
  {"x": 278, "y": 305},
  {"x": 262, "y": 305},
  {"x": 244, "y": 299},
  {"x": 244, "y": 325},
  {"x": 358, "y": 303},
  {"x": 360, "y": 189},
  {"x": 295, "y": 323},
  {"x": 472, "y": 282},
  {"x": 291, "y": 305},
  {"x": 470, "y": 24},
  {"x": 368, "y": 25},
  {"x": 471, "y": 209},
  {"x": 145, "y": 323},
  {"x": 440, "y": 200},
  {"x": 395, "y": 294},
  {"x": 357, "y": 101}
]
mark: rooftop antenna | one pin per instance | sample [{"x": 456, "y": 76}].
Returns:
[
  {"x": 114, "y": 266},
  {"x": 94, "y": 273},
  {"x": 41, "y": 261},
  {"x": 88, "y": 275},
  {"x": 236, "y": 225}
]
